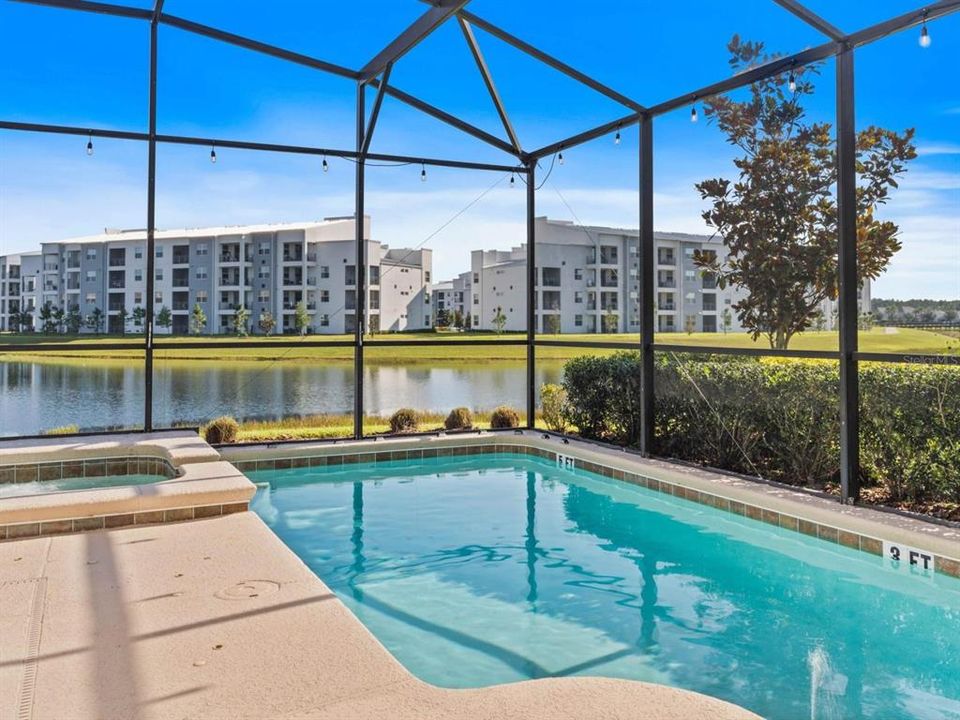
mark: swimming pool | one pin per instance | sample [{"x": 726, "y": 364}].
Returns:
[
  {"x": 40, "y": 487},
  {"x": 484, "y": 569}
]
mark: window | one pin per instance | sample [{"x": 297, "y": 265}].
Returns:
[
  {"x": 476, "y": 321},
  {"x": 350, "y": 275},
  {"x": 374, "y": 299},
  {"x": 324, "y": 321},
  {"x": 374, "y": 274},
  {"x": 159, "y": 274},
  {"x": 608, "y": 254},
  {"x": 201, "y": 273},
  {"x": 578, "y": 273},
  {"x": 138, "y": 298},
  {"x": 202, "y": 249},
  {"x": 264, "y": 296},
  {"x": 476, "y": 278},
  {"x": 91, "y": 298},
  {"x": 324, "y": 296},
  {"x": 324, "y": 272},
  {"x": 201, "y": 296},
  {"x": 264, "y": 272},
  {"x": 551, "y": 276},
  {"x": 158, "y": 298},
  {"x": 426, "y": 298},
  {"x": 690, "y": 274},
  {"x": 578, "y": 297},
  {"x": 91, "y": 253},
  {"x": 159, "y": 251},
  {"x": 263, "y": 248},
  {"x": 91, "y": 275},
  {"x": 138, "y": 252},
  {"x": 138, "y": 275},
  {"x": 426, "y": 277},
  {"x": 578, "y": 320},
  {"x": 476, "y": 299}
]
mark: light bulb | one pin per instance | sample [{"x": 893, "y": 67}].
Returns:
[
  {"x": 560, "y": 158},
  {"x": 616, "y": 138},
  {"x": 792, "y": 82},
  {"x": 924, "y": 36},
  {"x": 511, "y": 180},
  {"x": 423, "y": 173},
  {"x": 326, "y": 167},
  {"x": 693, "y": 114},
  {"x": 213, "y": 154},
  {"x": 90, "y": 145}
]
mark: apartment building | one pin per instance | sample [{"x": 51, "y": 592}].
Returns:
[
  {"x": 270, "y": 268},
  {"x": 588, "y": 282},
  {"x": 19, "y": 290}
]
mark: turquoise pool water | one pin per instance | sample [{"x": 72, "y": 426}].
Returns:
[
  {"x": 84, "y": 483},
  {"x": 496, "y": 568}
]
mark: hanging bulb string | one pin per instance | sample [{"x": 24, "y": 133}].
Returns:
[
  {"x": 924, "y": 33},
  {"x": 90, "y": 144},
  {"x": 546, "y": 177}
]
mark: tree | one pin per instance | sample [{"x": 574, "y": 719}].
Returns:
[
  {"x": 164, "y": 318},
  {"x": 443, "y": 318},
  {"x": 198, "y": 319},
  {"x": 778, "y": 221},
  {"x": 499, "y": 320},
  {"x": 690, "y": 324},
  {"x": 458, "y": 319},
  {"x": 301, "y": 318},
  {"x": 48, "y": 323},
  {"x": 124, "y": 317},
  {"x": 819, "y": 321},
  {"x": 138, "y": 315},
  {"x": 241, "y": 316},
  {"x": 58, "y": 318},
  {"x": 95, "y": 320},
  {"x": 73, "y": 319},
  {"x": 267, "y": 323},
  {"x": 727, "y": 320}
]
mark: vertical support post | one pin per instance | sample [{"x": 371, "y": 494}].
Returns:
[
  {"x": 360, "y": 270},
  {"x": 531, "y": 295},
  {"x": 151, "y": 231},
  {"x": 849, "y": 285},
  {"x": 647, "y": 286}
]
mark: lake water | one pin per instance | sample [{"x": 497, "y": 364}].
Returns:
[{"x": 38, "y": 396}]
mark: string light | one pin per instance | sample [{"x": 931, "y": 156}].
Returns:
[
  {"x": 616, "y": 138},
  {"x": 792, "y": 82},
  {"x": 213, "y": 153},
  {"x": 924, "y": 33},
  {"x": 423, "y": 172},
  {"x": 560, "y": 158},
  {"x": 511, "y": 180},
  {"x": 326, "y": 165},
  {"x": 90, "y": 144},
  {"x": 693, "y": 114}
]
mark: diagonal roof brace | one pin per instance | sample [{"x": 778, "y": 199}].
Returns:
[
  {"x": 408, "y": 39},
  {"x": 375, "y": 112},
  {"x": 157, "y": 11},
  {"x": 488, "y": 81},
  {"x": 811, "y": 18},
  {"x": 551, "y": 61}
]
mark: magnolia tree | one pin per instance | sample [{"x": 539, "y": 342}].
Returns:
[{"x": 778, "y": 219}]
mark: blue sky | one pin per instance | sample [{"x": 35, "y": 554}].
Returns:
[{"x": 88, "y": 70}]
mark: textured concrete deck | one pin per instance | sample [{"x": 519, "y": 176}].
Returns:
[{"x": 217, "y": 619}]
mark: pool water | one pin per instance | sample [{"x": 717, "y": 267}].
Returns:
[
  {"x": 84, "y": 483},
  {"x": 490, "y": 569}
]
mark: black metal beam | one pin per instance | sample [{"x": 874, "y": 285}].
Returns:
[
  {"x": 151, "y": 231},
  {"x": 849, "y": 285},
  {"x": 157, "y": 11},
  {"x": 551, "y": 61},
  {"x": 587, "y": 135},
  {"x": 94, "y": 7},
  {"x": 446, "y": 117},
  {"x": 531, "y": 294},
  {"x": 375, "y": 112},
  {"x": 257, "y": 146},
  {"x": 360, "y": 269},
  {"x": 902, "y": 22},
  {"x": 256, "y": 46},
  {"x": 488, "y": 81},
  {"x": 647, "y": 288},
  {"x": 811, "y": 18},
  {"x": 409, "y": 38}
]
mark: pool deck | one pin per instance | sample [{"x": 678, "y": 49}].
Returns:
[{"x": 216, "y": 618}]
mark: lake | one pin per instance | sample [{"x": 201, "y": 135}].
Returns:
[{"x": 38, "y": 396}]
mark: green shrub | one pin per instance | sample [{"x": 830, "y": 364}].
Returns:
[
  {"x": 504, "y": 417},
  {"x": 780, "y": 419},
  {"x": 553, "y": 403},
  {"x": 459, "y": 419},
  {"x": 404, "y": 420},
  {"x": 221, "y": 430}
]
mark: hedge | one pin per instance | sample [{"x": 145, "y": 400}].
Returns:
[{"x": 779, "y": 419}]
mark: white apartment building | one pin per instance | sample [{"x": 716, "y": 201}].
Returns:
[
  {"x": 588, "y": 282},
  {"x": 269, "y": 268}
]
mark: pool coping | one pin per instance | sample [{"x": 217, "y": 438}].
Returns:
[
  {"x": 198, "y": 483},
  {"x": 853, "y": 526}
]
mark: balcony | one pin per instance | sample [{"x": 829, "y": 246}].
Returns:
[
  {"x": 117, "y": 262},
  {"x": 666, "y": 306},
  {"x": 181, "y": 258},
  {"x": 229, "y": 258}
]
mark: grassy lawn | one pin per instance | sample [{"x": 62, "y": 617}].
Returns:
[{"x": 898, "y": 340}]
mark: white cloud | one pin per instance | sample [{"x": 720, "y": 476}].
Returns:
[{"x": 938, "y": 148}]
